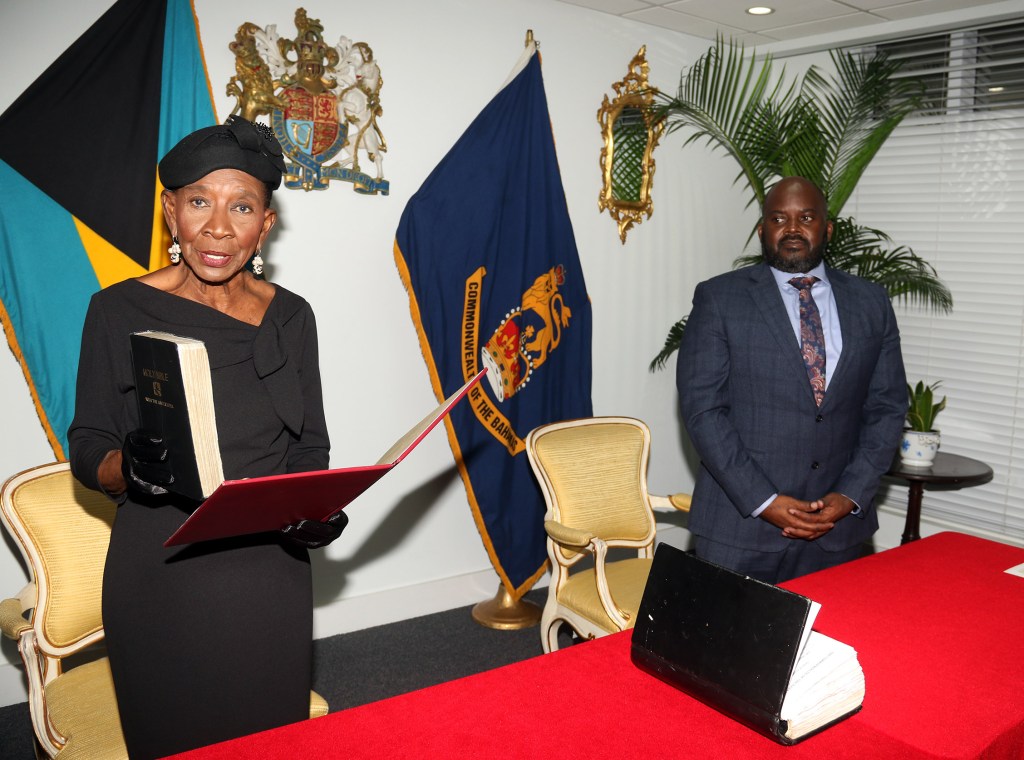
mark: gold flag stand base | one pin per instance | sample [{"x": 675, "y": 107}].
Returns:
[{"x": 503, "y": 613}]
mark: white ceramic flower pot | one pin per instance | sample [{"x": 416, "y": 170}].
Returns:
[{"x": 918, "y": 449}]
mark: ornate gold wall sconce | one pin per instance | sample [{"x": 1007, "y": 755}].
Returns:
[{"x": 631, "y": 133}]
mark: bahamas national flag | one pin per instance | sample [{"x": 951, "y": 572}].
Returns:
[
  {"x": 486, "y": 250},
  {"x": 79, "y": 195}
]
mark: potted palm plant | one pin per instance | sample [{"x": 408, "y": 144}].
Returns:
[
  {"x": 920, "y": 438},
  {"x": 827, "y": 129}
]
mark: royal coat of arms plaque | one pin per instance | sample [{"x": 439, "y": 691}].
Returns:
[{"x": 322, "y": 102}]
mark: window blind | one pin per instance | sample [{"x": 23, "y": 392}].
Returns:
[{"x": 949, "y": 183}]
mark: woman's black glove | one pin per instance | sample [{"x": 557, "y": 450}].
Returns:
[
  {"x": 144, "y": 463},
  {"x": 312, "y": 534}
]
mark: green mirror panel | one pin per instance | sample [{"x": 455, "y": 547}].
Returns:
[
  {"x": 630, "y": 135},
  {"x": 629, "y": 145}
]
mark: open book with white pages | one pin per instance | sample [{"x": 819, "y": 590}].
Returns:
[{"x": 255, "y": 505}]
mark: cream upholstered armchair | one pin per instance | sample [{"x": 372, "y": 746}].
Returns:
[
  {"x": 63, "y": 530},
  {"x": 593, "y": 473}
]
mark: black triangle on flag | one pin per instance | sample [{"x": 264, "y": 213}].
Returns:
[{"x": 85, "y": 132}]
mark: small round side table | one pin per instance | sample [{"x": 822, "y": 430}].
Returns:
[{"x": 947, "y": 471}]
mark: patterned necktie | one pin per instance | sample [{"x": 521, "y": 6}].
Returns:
[{"x": 812, "y": 337}]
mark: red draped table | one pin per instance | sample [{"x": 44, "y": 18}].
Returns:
[{"x": 938, "y": 626}]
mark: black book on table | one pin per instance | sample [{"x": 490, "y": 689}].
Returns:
[
  {"x": 175, "y": 395},
  {"x": 743, "y": 647}
]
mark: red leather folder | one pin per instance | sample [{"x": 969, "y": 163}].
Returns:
[{"x": 255, "y": 505}]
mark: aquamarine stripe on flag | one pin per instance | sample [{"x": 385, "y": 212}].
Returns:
[
  {"x": 185, "y": 103},
  {"x": 46, "y": 272},
  {"x": 134, "y": 83}
]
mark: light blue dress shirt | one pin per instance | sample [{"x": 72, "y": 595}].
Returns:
[
  {"x": 825, "y": 300},
  {"x": 821, "y": 291}
]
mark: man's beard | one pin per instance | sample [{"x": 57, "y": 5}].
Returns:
[{"x": 794, "y": 265}]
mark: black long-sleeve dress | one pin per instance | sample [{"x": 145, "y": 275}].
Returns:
[{"x": 210, "y": 641}]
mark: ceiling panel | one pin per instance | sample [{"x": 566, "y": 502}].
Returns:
[
  {"x": 792, "y": 20},
  {"x": 924, "y": 7},
  {"x": 683, "y": 22},
  {"x": 615, "y": 7},
  {"x": 733, "y": 12}
]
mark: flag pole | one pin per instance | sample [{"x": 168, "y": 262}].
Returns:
[
  {"x": 503, "y": 612},
  {"x": 534, "y": 263}
]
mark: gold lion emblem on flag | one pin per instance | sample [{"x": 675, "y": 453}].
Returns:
[{"x": 515, "y": 350}]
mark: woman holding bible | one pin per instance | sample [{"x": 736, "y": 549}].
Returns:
[{"x": 213, "y": 640}]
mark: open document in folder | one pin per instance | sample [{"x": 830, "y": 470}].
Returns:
[{"x": 255, "y": 505}]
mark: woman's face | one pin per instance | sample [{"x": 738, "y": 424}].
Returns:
[{"x": 220, "y": 221}]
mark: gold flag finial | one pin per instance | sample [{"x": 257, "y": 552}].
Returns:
[{"x": 529, "y": 38}]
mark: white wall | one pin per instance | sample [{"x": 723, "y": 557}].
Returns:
[
  {"x": 441, "y": 62},
  {"x": 412, "y": 547}
]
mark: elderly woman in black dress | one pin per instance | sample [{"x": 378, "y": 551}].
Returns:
[{"x": 210, "y": 641}]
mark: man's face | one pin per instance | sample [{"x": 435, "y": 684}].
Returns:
[{"x": 795, "y": 226}]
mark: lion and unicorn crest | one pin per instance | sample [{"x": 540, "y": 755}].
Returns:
[{"x": 322, "y": 101}]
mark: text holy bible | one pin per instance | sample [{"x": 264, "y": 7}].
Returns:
[
  {"x": 744, "y": 647},
  {"x": 172, "y": 381}
]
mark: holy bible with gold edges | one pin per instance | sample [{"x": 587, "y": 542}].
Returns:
[
  {"x": 172, "y": 381},
  {"x": 744, "y": 647}
]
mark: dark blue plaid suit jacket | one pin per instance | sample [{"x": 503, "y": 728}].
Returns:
[{"x": 750, "y": 412}]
